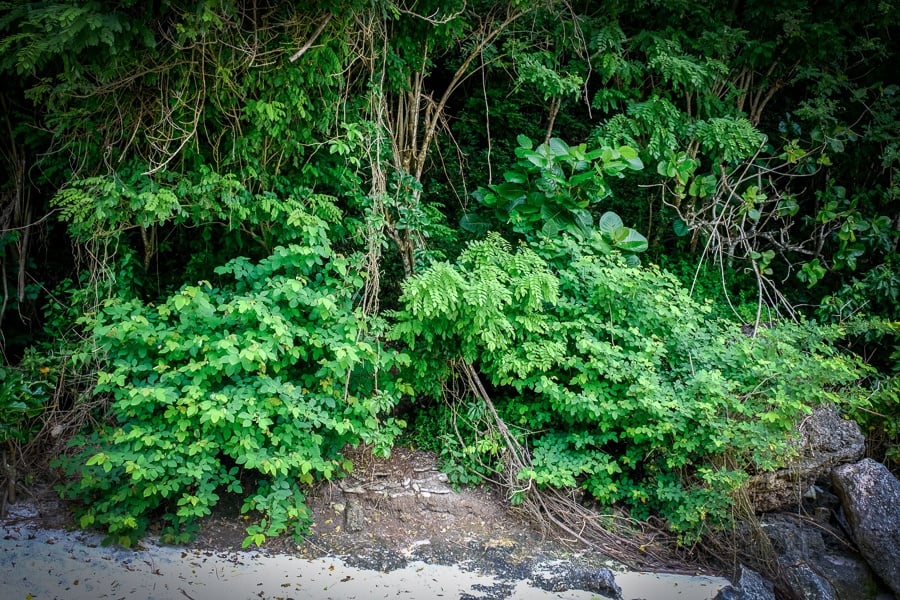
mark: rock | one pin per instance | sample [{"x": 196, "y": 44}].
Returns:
[
  {"x": 798, "y": 547},
  {"x": 355, "y": 516},
  {"x": 816, "y": 563},
  {"x": 559, "y": 576},
  {"x": 824, "y": 440},
  {"x": 808, "y": 584},
  {"x": 870, "y": 496},
  {"x": 750, "y": 585},
  {"x": 851, "y": 577},
  {"x": 409, "y": 489}
]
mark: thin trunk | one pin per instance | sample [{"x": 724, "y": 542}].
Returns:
[{"x": 554, "y": 110}]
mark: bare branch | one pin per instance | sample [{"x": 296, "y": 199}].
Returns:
[{"x": 312, "y": 39}]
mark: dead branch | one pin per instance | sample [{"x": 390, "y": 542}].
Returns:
[{"x": 312, "y": 39}]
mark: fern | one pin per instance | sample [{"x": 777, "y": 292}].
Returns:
[
  {"x": 729, "y": 138},
  {"x": 532, "y": 69},
  {"x": 608, "y": 39},
  {"x": 660, "y": 123},
  {"x": 609, "y": 366}
]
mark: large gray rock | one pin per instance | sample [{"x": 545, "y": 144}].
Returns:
[
  {"x": 870, "y": 496},
  {"x": 823, "y": 440},
  {"x": 750, "y": 585},
  {"x": 798, "y": 547},
  {"x": 815, "y": 563},
  {"x": 808, "y": 584}
]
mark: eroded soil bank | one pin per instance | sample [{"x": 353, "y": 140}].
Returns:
[{"x": 393, "y": 530}]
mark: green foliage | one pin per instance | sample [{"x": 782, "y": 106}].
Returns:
[
  {"x": 617, "y": 381},
  {"x": 730, "y": 293},
  {"x": 24, "y": 393},
  {"x": 172, "y": 137},
  {"x": 727, "y": 139},
  {"x": 552, "y": 189},
  {"x": 877, "y": 292},
  {"x": 475, "y": 296},
  {"x": 879, "y": 416},
  {"x": 879, "y": 413},
  {"x": 44, "y": 31},
  {"x": 261, "y": 381},
  {"x": 103, "y": 206},
  {"x": 536, "y": 69}
]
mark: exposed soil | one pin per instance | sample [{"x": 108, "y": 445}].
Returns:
[
  {"x": 394, "y": 514},
  {"x": 384, "y": 515},
  {"x": 397, "y": 522}
]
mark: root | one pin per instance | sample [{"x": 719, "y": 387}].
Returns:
[{"x": 638, "y": 545}]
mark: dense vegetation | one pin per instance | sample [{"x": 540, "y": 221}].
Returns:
[{"x": 636, "y": 240}]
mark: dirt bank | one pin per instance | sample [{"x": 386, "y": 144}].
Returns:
[{"x": 393, "y": 530}]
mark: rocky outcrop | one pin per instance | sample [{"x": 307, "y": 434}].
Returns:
[
  {"x": 814, "y": 560},
  {"x": 870, "y": 497},
  {"x": 749, "y": 585},
  {"x": 824, "y": 440}
]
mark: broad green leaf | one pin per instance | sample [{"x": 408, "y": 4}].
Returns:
[
  {"x": 509, "y": 191},
  {"x": 631, "y": 158},
  {"x": 609, "y": 222},
  {"x": 558, "y": 147},
  {"x": 787, "y": 207},
  {"x": 578, "y": 179},
  {"x": 515, "y": 177},
  {"x": 475, "y": 223},
  {"x": 582, "y": 219},
  {"x": 666, "y": 168},
  {"x": 634, "y": 242},
  {"x": 680, "y": 228}
]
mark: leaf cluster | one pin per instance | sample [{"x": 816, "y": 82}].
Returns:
[{"x": 552, "y": 189}]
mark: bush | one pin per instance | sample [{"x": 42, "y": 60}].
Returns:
[
  {"x": 263, "y": 379},
  {"x": 616, "y": 380}
]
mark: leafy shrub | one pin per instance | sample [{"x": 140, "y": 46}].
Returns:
[
  {"x": 24, "y": 393},
  {"x": 868, "y": 307},
  {"x": 552, "y": 188},
  {"x": 616, "y": 380},
  {"x": 878, "y": 414},
  {"x": 879, "y": 418},
  {"x": 264, "y": 379},
  {"x": 732, "y": 292}
]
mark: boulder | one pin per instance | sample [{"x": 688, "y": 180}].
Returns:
[
  {"x": 816, "y": 563},
  {"x": 808, "y": 584},
  {"x": 749, "y": 585},
  {"x": 355, "y": 515},
  {"x": 870, "y": 497},
  {"x": 824, "y": 440}
]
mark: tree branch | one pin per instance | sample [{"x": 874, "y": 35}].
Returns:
[{"x": 311, "y": 40}]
